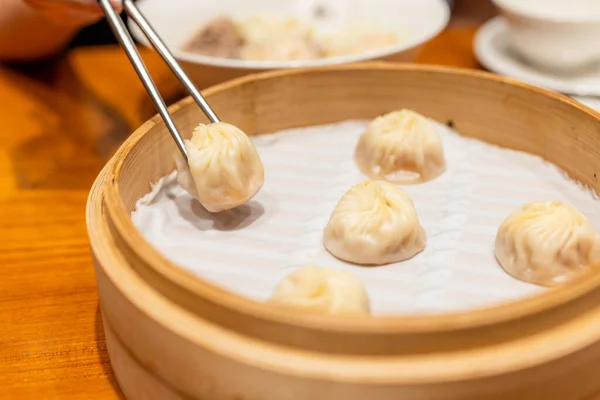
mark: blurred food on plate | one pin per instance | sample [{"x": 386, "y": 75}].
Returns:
[{"x": 266, "y": 38}]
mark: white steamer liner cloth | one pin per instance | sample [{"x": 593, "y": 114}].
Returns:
[{"x": 248, "y": 250}]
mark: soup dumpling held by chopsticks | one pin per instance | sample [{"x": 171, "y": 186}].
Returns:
[
  {"x": 223, "y": 169},
  {"x": 400, "y": 147}
]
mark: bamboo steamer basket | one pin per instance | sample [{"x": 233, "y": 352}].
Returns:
[{"x": 172, "y": 335}]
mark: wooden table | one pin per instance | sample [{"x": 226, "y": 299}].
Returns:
[{"x": 60, "y": 123}]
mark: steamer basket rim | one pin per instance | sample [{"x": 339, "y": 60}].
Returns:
[{"x": 479, "y": 317}]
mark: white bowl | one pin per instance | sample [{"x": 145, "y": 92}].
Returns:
[
  {"x": 177, "y": 20},
  {"x": 559, "y": 35}
]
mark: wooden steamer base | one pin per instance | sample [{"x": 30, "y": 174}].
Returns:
[{"x": 172, "y": 335}]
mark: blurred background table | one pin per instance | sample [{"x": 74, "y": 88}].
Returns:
[{"x": 61, "y": 121}]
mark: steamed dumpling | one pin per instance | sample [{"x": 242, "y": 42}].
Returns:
[
  {"x": 223, "y": 169},
  {"x": 546, "y": 243},
  {"x": 374, "y": 223},
  {"x": 323, "y": 291},
  {"x": 400, "y": 147}
]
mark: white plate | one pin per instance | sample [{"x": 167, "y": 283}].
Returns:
[
  {"x": 177, "y": 22},
  {"x": 493, "y": 52}
]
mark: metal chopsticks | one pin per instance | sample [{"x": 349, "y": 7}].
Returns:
[{"x": 124, "y": 38}]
